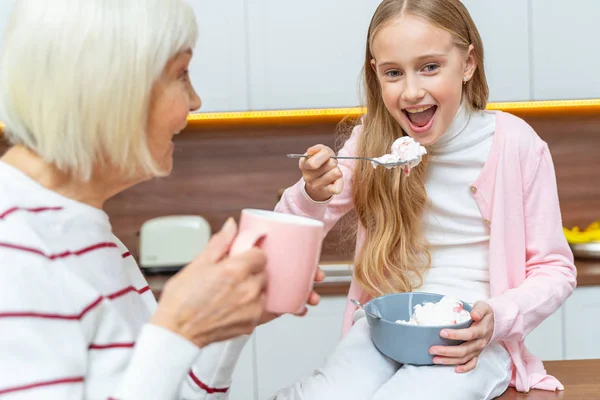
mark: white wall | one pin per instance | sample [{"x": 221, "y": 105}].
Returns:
[
  {"x": 306, "y": 53},
  {"x": 566, "y": 52},
  {"x": 5, "y": 6},
  {"x": 309, "y": 54},
  {"x": 274, "y": 54},
  {"x": 506, "y": 51},
  {"x": 218, "y": 69}
]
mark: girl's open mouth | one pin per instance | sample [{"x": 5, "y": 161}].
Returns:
[{"x": 421, "y": 119}]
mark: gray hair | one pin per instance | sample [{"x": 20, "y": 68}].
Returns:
[{"x": 76, "y": 77}]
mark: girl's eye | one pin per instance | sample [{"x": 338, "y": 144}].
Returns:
[
  {"x": 393, "y": 74},
  {"x": 431, "y": 67}
]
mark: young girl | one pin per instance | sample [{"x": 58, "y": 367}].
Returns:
[{"x": 478, "y": 219}]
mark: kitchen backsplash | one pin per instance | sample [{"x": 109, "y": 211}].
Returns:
[{"x": 219, "y": 170}]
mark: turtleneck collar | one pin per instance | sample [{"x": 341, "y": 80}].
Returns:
[
  {"x": 456, "y": 128},
  {"x": 467, "y": 129}
]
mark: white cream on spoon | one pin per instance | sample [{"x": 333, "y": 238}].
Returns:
[{"x": 406, "y": 152}]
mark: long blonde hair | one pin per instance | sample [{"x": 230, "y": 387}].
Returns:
[{"x": 389, "y": 205}]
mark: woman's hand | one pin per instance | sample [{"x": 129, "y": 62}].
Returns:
[
  {"x": 476, "y": 337},
  {"x": 216, "y": 297}
]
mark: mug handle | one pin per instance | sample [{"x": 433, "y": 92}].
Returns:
[{"x": 246, "y": 240}]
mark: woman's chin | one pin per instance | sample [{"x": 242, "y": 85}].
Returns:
[{"x": 167, "y": 168}]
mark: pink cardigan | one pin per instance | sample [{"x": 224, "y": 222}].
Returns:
[{"x": 531, "y": 265}]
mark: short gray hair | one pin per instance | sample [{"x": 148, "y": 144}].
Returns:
[{"x": 76, "y": 77}]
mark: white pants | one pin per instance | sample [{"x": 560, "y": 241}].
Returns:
[
  {"x": 487, "y": 381},
  {"x": 358, "y": 371}
]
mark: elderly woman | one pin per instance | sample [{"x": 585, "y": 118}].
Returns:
[{"x": 92, "y": 93}]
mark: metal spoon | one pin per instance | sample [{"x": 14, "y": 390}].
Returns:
[
  {"x": 374, "y": 313},
  {"x": 373, "y": 160}
]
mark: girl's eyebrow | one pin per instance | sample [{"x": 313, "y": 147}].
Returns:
[{"x": 420, "y": 58}]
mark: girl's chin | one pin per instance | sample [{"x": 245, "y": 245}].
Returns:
[{"x": 424, "y": 139}]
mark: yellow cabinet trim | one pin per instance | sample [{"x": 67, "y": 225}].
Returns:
[{"x": 316, "y": 114}]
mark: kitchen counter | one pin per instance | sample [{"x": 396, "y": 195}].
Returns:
[
  {"x": 588, "y": 272},
  {"x": 339, "y": 274},
  {"x": 580, "y": 378},
  {"x": 336, "y": 283}
]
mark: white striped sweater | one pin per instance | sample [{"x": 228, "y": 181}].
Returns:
[{"x": 74, "y": 310}]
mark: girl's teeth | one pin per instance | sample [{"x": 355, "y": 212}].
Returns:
[{"x": 418, "y": 110}]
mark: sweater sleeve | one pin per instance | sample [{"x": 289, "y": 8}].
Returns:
[
  {"x": 296, "y": 201},
  {"x": 210, "y": 378},
  {"x": 550, "y": 271}
]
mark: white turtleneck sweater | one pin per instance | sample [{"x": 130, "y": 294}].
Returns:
[{"x": 457, "y": 234}]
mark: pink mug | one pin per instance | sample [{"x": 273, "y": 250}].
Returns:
[{"x": 292, "y": 245}]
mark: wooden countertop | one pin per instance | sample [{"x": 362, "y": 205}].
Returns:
[
  {"x": 581, "y": 379},
  {"x": 588, "y": 274},
  {"x": 337, "y": 288}
]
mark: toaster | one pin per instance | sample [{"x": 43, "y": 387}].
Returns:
[{"x": 169, "y": 243}]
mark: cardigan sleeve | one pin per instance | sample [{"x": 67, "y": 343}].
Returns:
[
  {"x": 296, "y": 201},
  {"x": 550, "y": 273}
]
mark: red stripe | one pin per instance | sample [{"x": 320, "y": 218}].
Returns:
[
  {"x": 52, "y": 316},
  {"x": 128, "y": 289},
  {"x": 64, "y": 254},
  {"x": 111, "y": 346},
  {"x": 21, "y": 248},
  {"x": 90, "y": 307},
  {"x": 74, "y": 316},
  {"x": 31, "y": 210},
  {"x": 204, "y": 387},
  {"x": 76, "y": 379},
  {"x": 126, "y": 254},
  {"x": 143, "y": 290}
]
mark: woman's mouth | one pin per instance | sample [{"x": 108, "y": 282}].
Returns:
[{"x": 420, "y": 118}]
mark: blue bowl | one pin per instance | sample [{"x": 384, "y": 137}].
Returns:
[{"x": 407, "y": 344}]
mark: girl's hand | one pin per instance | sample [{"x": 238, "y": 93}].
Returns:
[
  {"x": 476, "y": 337},
  {"x": 321, "y": 173}
]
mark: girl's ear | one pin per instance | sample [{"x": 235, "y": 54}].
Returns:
[
  {"x": 374, "y": 65},
  {"x": 470, "y": 64}
]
